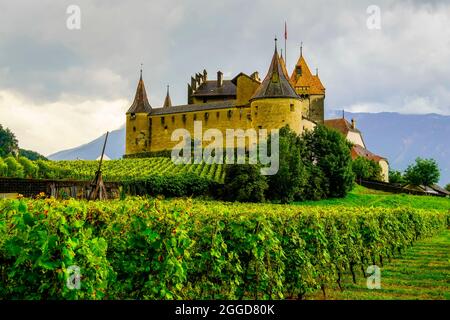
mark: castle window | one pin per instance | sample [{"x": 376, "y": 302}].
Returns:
[
  {"x": 206, "y": 115},
  {"x": 184, "y": 118},
  {"x": 299, "y": 71},
  {"x": 292, "y": 107},
  {"x": 165, "y": 127},
  {"x": 230, "y": 113},
  {"x": 134, "y": 129},
  {"x": 195, "y": 117},
  {"x": 173, "y": 119},
  {"x": 218, "y": 115},
  {"x": 162, "y": 120},
  {"x": 133, "y": 116},
  {"x": 249, "y": 116},
  {"x": 240, "y": 113}
]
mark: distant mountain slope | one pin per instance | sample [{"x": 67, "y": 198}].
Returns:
[
  {"x": 400, "y": 138},
  {"x": 115, "y": 148}
]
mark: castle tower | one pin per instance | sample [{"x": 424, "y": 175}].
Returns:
[
  {"x": 138, "y": 126},
  {"x": 275, "y": 102},
  {"x": 167, "y": 101},
  {"x": 310, "y": 88}
]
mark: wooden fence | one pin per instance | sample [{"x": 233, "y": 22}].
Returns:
[{"x": 55, "y": 188}]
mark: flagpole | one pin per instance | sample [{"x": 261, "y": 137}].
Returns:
[{"x": 285, "y": 41}]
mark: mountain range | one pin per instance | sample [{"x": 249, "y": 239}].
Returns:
[{"x": 400, "y": 138}]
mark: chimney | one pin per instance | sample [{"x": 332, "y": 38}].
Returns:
[
  {"x": 353, "y": 124},
  {"x": 205, "y": 75},
  {"x": 255, "y": 76},
  {"x": 193, "y": 84},
  {"x": 219, "y": 78}
]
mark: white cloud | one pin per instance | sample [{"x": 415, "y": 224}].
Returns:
[{"x": 51, "y": 127}]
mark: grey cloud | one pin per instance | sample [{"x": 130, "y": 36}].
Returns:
[{"x": 403, "y": 63}]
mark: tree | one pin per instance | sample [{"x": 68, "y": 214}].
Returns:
[
  {"x": 330, "y": 152},
  {"x": 8, "y": 142},
  {"x": 32, "y": 155},
  {"x": 15, "y": 169},
  {"x": 3, "y": 168},
  {"x": 289, "y": 182},
  {"x": 423, "y": 172},
  {"x": 244, "y": 183},
  {"x": 366, "y": 169},
  {"x": 447, "y": 187},
  {"x": 396, "y": 177},
  {"x": 30, "y": 169}
]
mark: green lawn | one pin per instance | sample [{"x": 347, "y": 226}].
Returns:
[
  {"x": 422, "y": 272},
  {"x": 363, "y": 197}
]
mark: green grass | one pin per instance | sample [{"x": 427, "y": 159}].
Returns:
[
  {"x": 363, "y": 197},
  {"x": 421, "y": 272}
]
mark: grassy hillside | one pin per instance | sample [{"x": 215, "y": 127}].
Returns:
[{"x": 363, "y": 197}]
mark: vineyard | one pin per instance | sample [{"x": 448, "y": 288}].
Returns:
[
  {"x": 133, "y": 169},
  {"x": 113, "y": 170},
  {"x": 141, "y": 248}
]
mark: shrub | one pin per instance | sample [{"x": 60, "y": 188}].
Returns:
[
  {"x": 3, "y": 168},
  {"x": 15, "y": 169},
  {"x": 244, "y": 183},
  {"x": 30, "y": 169},
  {"x": 183, "y": 185},
  {"x": 365, "y": 169},
  {"x": 396, "y": 177}
]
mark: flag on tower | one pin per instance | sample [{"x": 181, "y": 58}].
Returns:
[
  {"x": 285, "y": 41},
  {"x": 285, "y": 30}
]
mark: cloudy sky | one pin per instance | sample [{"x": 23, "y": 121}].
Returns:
[{"x": 60, "y": 88}]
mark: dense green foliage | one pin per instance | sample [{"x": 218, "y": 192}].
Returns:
[
  {"x": 329, "y": 159},
  {"x": 8, "y": 142},
  {"x": 137, "y": 169},
  {"x": 313, "y": 166},
  {"x": 447, "y": 187},
  {"x": 291, "y": 180},
  {"x": 365, "y": 169},
  {"x": 32, "y": 155},
  {"x": 244, "y": 183},
  {"x": 396, "y": 177},
  {"x": 147, "y": 249},
  {"x": 15, "y": 169},
  {"x": 171, "y": 185},
  {"x": 423, "y": 172},
  {"x": 113, "y": 170}
]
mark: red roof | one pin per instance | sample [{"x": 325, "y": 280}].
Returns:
[
  {"x": 341, "y": 125},
  {"x": 358, "y": 151}
]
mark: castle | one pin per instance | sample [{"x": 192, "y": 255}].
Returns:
[
  {"x": 240, "y": 103},
  {"x": 243, "y": 102}
]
